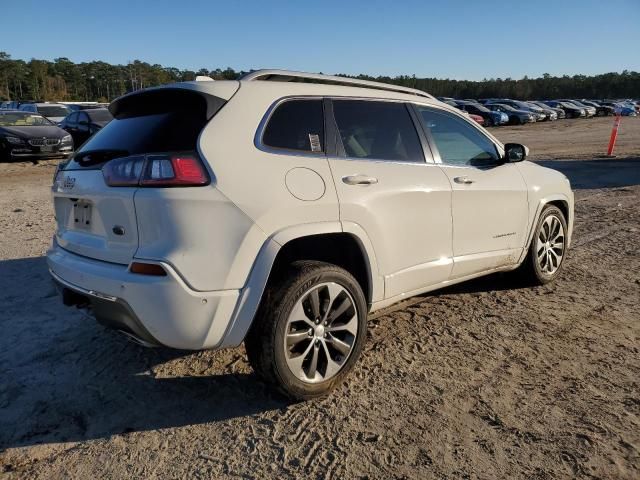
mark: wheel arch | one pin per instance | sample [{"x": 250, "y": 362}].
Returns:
[
  {"x": 349, "y": 248},
  {"x": 560, "y": 201}
]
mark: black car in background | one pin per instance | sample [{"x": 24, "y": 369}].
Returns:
[
  {"x": 84, "y": 123},
  {"x": 28, "y": 135},
  {"x": 516, "y": 117},
  {"x": 543, "y": 106},
  {"x": 570, "y": 110},
  {"x": 601, "y": 110}
]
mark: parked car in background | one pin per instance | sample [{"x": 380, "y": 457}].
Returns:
[
  {"x": 83, "y": 124},
  {"x": 621, "y": 109},
  {"x": 491, "y": 118},
  {"x": 53, "y": 111},
  {"x": 570, "y": 110},
  {"x": 478, "y": 119},
  {"x": 75, "y": 106},
  {"x": 559, "y": 112},
  {"x": 589, "y": 110},
  {"x": 601, "y": 110},
  {"x": 550, "y": 113},
  {"x": 291, "y": 244},
  {"x": 28, "y": 135},
  {"x": 516, "y": 117},
  {"x": 524, "y": 106}
]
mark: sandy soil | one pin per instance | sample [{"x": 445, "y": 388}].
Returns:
[{"x": 485, "y": 380}]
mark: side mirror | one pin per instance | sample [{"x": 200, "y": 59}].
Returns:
[{"x": 515, "y": 152}]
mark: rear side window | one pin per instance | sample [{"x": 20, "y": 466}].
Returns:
[
  {"x": 146, "y": 125},
  {"x": 296, "y": 125},
  {"x": 377, "y": 130}
]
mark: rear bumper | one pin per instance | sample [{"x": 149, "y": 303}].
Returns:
[{"x": 156, "y": 310}]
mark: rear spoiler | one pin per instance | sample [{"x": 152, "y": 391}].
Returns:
[{"x": 165, "y": 99}]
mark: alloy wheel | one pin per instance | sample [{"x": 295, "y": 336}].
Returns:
[
  {"x": 550, "y": 245},
  {"x": 320, "y": 333}
]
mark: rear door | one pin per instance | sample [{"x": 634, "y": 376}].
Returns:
[
  {"x": 387, "y": 187},
  {"x": 489, "y": 197}
]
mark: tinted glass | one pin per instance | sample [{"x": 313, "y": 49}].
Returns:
[
  {"x": 99, "y": 115},
  {"x": 458, "y": 142},
  {"x": 53, "y": 111},
  {"x": 72, "y": 119},
  {"x": 377, "y": 130},
  {"x": 163, "y": 132},
  {"x": 296, "y": 125}
]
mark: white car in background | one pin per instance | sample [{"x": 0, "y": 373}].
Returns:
[
  {"x": 53, "y": 111},
  {"x": 280, "y": 213}
]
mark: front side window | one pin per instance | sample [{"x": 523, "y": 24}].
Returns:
[
  {"x": 459, "y": 143},
  {"x": 377, "y": 130},
  {"x": 296, "y": 125}
]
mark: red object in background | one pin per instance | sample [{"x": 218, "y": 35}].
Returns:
[
  {"x": 614, "y": 135},
  {"x": 477, "y": 118}
]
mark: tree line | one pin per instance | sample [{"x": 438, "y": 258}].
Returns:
[{"x": 64, "y": 80}]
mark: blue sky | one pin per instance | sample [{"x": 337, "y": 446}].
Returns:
[{"x": 464, "y": 39}]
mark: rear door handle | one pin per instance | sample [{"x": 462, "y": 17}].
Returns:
[
  {"x": 463, "y": 180},
  {"x": 359, "y": 180}
]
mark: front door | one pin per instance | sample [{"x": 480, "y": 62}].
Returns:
[{"x": 489, "y": 197}]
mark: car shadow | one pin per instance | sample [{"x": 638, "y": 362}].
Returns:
[
  {"x": 598, "y": 173},
  {"x": 66, "y": 378}
]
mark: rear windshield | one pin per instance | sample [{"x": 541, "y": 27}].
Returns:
[
  {"x": 154, "y": 121},
  {"x": 163, "y": 132}
]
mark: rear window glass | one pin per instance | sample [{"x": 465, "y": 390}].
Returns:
[
  {"x": 163, "y": 132},
  {"x": 296, "y": 125},
  {"x": 377, "y": 130}
]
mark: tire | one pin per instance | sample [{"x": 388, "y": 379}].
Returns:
[
  {"x": 286, "y": 334},
  {"x": 545, "y": 259}
]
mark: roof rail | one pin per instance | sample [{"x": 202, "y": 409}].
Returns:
[{"x": 288, "y": 75}]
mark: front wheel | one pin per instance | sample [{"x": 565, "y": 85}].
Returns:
[
  {"x": 309, "y": 331},
  {"x": 548, "y": 248}
]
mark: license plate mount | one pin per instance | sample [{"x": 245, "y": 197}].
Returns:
[{"x": 82, "y": 214}]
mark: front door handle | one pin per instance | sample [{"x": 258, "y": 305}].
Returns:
[
  {"x": 463, "y": 180},
  {"x": 359, "y": 180}
]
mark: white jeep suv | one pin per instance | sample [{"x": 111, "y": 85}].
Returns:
[{"x": 281, "y": 212}]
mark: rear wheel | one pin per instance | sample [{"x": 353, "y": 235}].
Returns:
[
  {"x": 309, "y": 331},
  {"x": 548, "y": 248}
]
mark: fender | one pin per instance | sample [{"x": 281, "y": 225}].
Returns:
[
  {"x": 251, "y": 294},
  {"x": 541, "y": 204}
]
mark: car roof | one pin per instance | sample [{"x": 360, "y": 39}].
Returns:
[{"x": 280, "y": 83}]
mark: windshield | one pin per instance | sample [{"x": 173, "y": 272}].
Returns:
[
  {"x": 99, "y": 115},
  {"x": 479, "y": 108},
  {"x": 53, "y": 111},
  {"x": 23, "y": 119},
  {"x": 505, "y": 107},
  {"x": 576, "y": 102}
]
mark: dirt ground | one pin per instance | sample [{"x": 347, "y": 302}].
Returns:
[{"x": 484, "y": 380}]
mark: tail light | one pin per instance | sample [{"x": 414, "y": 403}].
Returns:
[{"x": 162, "y": 170}]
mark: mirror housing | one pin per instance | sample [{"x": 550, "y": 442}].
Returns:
[{"x": 515, "y": 152}]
